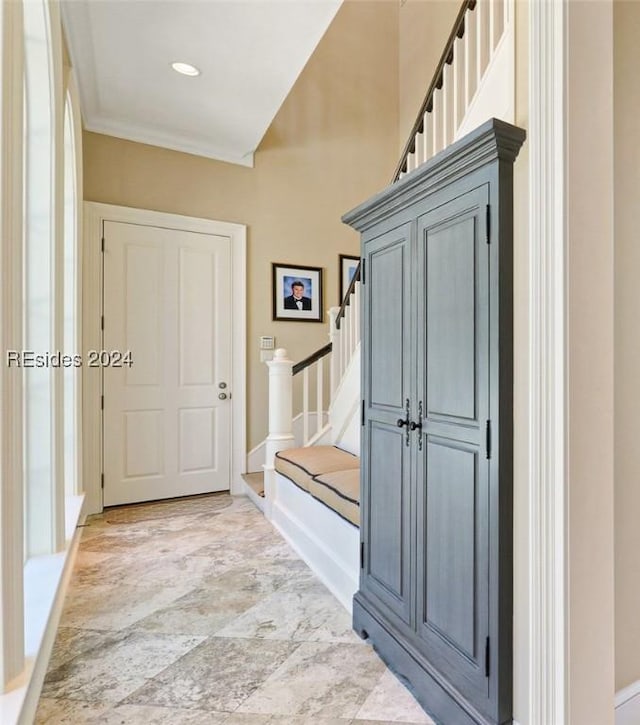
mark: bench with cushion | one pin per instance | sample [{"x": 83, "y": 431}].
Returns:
[
  {"x": 315, "y": 504},
  {"x": 329, "y": 474}
]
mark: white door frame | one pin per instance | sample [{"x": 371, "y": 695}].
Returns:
[
  {"x": 570, "y": 552},
  {"x": 94, "y": 215}
]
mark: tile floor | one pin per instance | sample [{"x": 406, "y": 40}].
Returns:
[{"x": 197, "y": 612}]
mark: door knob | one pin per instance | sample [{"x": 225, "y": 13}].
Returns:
[
  {"x": 222, "y": 396},
  {"x": 407, "y": 419},
  {"x": 222, "y": 385},
  {"x": 418, "y": 426}
]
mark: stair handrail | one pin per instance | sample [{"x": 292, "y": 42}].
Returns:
[
  {"x": 314, "y": 357},
  {"x": 347, "y": 297},
  {"x": 436, "y": 82}
]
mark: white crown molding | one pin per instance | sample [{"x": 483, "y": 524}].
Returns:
[
  {"x": 131, "y": 132},
  {"x": 77, "y": 25},
  {"x": 546, "y": 485}
]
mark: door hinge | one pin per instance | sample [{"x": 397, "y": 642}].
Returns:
[
  {"x": 362, "y": 554},
  {"x": 362, "y": 413},
  {"x": 363, "y": 275},
  {"x": 102, "y": 245},
  {"x": 102, "y": 480},
  {"x": 102, "y": 322},
  {"x": 488, "y": 443},
  {"x": 487, "y": 659},
  {"x": 488, "y": 225},
  {"x": 102, "y": 402}
]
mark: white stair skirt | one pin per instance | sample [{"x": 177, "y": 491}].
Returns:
[{"x": 325, "y": 541}]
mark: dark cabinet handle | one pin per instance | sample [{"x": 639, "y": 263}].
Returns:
[
  {"x": 406, "y": 422},
  {"x": 418, "y": 426}
]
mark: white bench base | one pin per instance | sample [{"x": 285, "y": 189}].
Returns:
[{"x": 324, "y": 540}]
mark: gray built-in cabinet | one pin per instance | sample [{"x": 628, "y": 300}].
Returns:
[{"x": 435, "y": 595}]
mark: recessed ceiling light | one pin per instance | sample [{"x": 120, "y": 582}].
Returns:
[{"x": 185, "y": 68}]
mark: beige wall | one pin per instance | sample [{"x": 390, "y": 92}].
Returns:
[
  {"x": 332, "y": 144},
  {"x": 424, "y": 28},
  {"x": 589, "y": 364},
  {"x": 627, "y": 340}
]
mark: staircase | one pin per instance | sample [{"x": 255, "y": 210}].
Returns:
[{"x": 474, "y": 81}]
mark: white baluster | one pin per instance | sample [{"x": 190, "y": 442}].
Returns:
[
  {"x": 345, "y": 344},
  {"x": 356, "y": 309},
  {"x": 459, "y": 69},
  {"x": 280, "y": 419},
  {"x": 347, "y": 329},
  {"x": 497, "y": 24},
  {"x": 355, "y": 301},
  {"x": 334, "y": 338},
  {"x": 419, "y": 149},
  {"x": 470, "y": 39},
  {"x": 447, "y": 105},
  {"x": 305, "y": 406},
  {"x": 429, "y": 141},
  {"x": 437, "y": 114},
  {"x": 319, "y": 394},
  {"x": 492, "y": 26},
  {"x": 426, "y": 120},
  {"x": 353, "y": 325},
  {"x": 482, "y": 9}
]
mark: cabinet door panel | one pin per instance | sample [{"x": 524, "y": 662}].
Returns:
[
  {"x": 452, "y": 602},
  {"x": 451, "y": 319},
  {"x": 387, "y": 499},
  {"x": 386, "y": 320},
  {"x": 451, "y": 507},
  {"x": 386, "y": 370}
]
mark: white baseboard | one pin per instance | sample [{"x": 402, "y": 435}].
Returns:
[
  {"x": 627, "y": 702},
  {"x": 326, "y": 542},
  {"x": 246, "y": 490}
]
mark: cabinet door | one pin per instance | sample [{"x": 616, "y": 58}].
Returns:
[
  {"x": 452, "y": 469},
  {"x": 385, "y": 455}
]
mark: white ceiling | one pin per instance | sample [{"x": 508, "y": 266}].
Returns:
[{"x": 250, "y": 53}]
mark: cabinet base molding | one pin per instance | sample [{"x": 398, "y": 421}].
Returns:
[{"x": 439, "y": 700}]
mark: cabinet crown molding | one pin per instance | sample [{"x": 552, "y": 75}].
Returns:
[{"x": 494, "y": 139}]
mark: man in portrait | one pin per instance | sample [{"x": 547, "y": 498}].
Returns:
[{"x": 296, "y": 300}]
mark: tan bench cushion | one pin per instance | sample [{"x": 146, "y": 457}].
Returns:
[
  {"x": 340, "y": 491},
  {"x": 300, "y": 465}
]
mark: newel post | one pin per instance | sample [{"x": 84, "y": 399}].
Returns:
[
  {"x": 334, "y": 338},
  {"x": 280, "y": 419}
]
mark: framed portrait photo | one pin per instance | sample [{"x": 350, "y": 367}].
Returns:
[
  {"x": 297, "y": 292},
  {"x": 348, "y": 266}
]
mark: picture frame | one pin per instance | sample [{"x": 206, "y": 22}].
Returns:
[
  {"x": 301, "y": 302},
  {"x": 347, "y": 265}
]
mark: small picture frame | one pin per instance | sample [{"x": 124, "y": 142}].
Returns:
[
  {"x": 297, "y": 292},
  {"x": 348, "y": 265}
]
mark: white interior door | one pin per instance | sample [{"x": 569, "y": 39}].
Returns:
[{"x": 167, "y": 416}]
